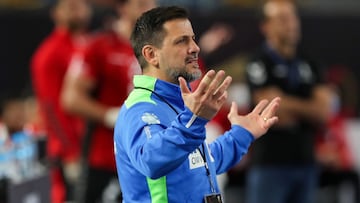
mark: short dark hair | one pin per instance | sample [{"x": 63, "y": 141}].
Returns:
[
  {"x": 261, "y": 14},
  {"x": 149, "y": 28},
  {"x": 121, "y": 1}
]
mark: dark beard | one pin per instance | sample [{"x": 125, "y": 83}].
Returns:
[
  {"x": 76, "y": 26},
  {"x": 175, "y": 74}
]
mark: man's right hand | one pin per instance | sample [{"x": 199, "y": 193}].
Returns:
[{"x": 210, "y": 95}]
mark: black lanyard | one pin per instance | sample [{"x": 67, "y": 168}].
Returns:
[
  {"x": 162, "y": 98},
  {"x": 202, "y": 153}
]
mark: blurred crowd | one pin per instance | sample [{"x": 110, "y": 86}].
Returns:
[
  {"x": 63, "y": 126},
  {"x": 205, "y": 4}
]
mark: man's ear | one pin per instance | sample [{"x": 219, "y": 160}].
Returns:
[{"x": 149, "y": 53}]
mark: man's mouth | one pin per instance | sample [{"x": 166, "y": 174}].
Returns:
[{"x": 192, "y": 60}]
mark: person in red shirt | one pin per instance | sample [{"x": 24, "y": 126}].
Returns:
[
  {"x": 48, "y": 67},
  {"x": 96, "y": 85}
]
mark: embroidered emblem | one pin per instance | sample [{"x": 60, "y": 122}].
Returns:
[
  {"x": 305, "y": 72},
  {"x": 150, "y": 118},
  {"x": 257, "y": 73}
]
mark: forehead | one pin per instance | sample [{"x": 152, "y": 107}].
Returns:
[
  {"x": 72, "y": 6},
  {"x": 279, "y": 9},
  {"x": 142, "y": 3},
  {"x": 72, "y": 3},
  {"x": 178, "y": 27}
]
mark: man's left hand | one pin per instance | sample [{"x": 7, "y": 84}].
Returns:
[{"x": 259, "y": 120}]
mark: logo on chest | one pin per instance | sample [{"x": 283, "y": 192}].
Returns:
[{"x": 302, "y": 72}]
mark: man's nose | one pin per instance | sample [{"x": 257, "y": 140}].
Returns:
[{"x": 194, "y": 48}]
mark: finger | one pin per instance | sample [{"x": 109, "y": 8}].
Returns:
[
  {"x": 260, "y": 106},
  {"x": 222, "y": 99},
  {"x": 223, "y": 87},
  {"x": 183, "y": 86},
  {"x": 215, "y": 83},
  {"x": 270, "y": 122},
  {"x": 233, "y": 110},
  {"x": 270, "y": 109},
  {"x": 205, "y": 81}
]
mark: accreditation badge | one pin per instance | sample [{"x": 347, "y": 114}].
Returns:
[{"x": 213, "y": 198}]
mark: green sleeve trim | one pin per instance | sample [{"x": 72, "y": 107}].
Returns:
[{"x": 158, "y": 190}]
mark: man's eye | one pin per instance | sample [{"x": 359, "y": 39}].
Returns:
[{"x": 182, "y": 40}]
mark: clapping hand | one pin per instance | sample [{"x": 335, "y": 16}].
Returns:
[
  {"x": 210, "y": 95},
  {"x": 259, "y": 120}
]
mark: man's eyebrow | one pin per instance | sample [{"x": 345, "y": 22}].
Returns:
[{"x": 187, "y": 36}]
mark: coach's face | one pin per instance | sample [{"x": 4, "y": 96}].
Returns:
[{"x": 178, "y": 55}]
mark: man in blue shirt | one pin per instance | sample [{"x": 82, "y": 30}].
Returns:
[{"x": 160, "y": 149}]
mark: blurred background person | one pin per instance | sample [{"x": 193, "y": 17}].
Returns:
[
  {"x": 339, "y": 179},
  {"x": 283, "y": 168},
  {"x": 95, "y": 87},
  {"x": 12, "y": 112},
  {"x": 198, "y": 5},
  {"x": 12, "y": 121},
  {"x": 49, "y": 64},
  {"x": 18, "y": 148}
]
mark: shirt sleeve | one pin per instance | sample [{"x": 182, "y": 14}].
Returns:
[
  {"x": 228, "y": 149},
  {"x": 92, "y": 57}
]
